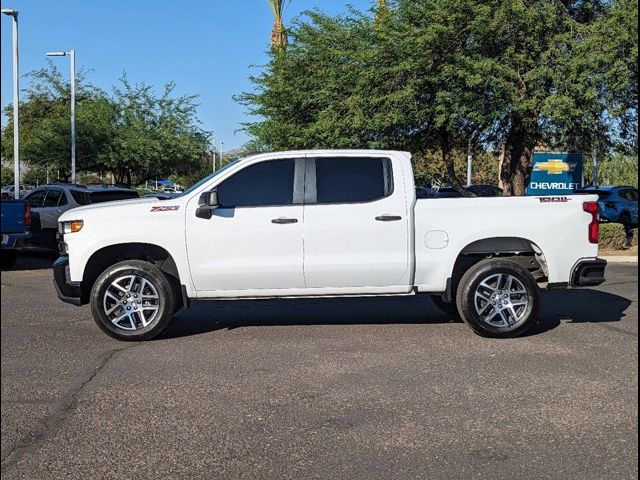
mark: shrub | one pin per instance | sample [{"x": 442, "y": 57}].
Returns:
[{"x": 612, "y": 236}]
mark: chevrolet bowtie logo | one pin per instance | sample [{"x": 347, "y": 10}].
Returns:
[{"x": 554, "y": 167}]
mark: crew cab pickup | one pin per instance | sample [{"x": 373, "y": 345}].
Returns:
[
  {"x": 15, "y": 228},
  {"x": 324, "y": 223}
]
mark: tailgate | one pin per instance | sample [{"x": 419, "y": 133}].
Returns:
[{"x": 13, "y": 217}]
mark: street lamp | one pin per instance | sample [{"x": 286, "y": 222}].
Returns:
[
  {"x": 16, "y": 104},
  {"x": 72, "y": 56}
]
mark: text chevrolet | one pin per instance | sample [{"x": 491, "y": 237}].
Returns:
[{"x": 324, "y": 223}]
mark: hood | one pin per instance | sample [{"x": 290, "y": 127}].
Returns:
[{"x": 77, "y": 213}]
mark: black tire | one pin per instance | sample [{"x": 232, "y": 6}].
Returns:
[
  {"x": 8, "y": 258},
  {"x": 625, "y": 219},
  {"x": 450, "y": 309},
  {"x": 485, "y": 270},
  {"x": 166, "y": 301}
]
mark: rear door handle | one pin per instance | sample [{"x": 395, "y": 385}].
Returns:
[
  {"x": 283, "y": 220},
  {"x": 388, "y": 218}
]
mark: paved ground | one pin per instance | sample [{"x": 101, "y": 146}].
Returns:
[{"x": 357, "y": 388}]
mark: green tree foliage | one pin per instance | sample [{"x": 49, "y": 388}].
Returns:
[
  {"x": 152, "y": 136},
  {"x": 7, "y": 176},
  {"x": 442, "y": 76},
  {"x": 618, "y": 169},
  {"x": 133, "y": 133},
  {"x": 45, "y": 128}
]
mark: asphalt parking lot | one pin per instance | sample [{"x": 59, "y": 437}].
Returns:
[{"x": 337, "y": 388}]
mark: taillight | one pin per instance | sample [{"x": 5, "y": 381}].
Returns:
[
  {"x": 594, "y": 226},
  {"x": 27, "y": 214}
]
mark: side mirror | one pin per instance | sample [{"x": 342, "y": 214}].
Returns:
[
  {"x": 209, "y": 199},
  {"x": 207, "y": 203}
]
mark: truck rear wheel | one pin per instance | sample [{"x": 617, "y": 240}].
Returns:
[
  {"x": 132, "y": 300},
  {"x": 498, "y": 298}
]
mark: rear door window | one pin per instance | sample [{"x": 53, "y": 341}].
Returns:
[
  {"x": 36, "y": 198},
  {"x": 53, "y": 198},
  {"x": 352, "y": 180}
]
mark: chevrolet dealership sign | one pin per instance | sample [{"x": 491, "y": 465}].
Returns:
[{"x": 555, "y": 173}]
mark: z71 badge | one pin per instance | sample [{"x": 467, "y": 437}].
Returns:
[{"x": 163, "y": 208}]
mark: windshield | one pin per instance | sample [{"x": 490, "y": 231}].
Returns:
[{"x": 206, "y": 179}]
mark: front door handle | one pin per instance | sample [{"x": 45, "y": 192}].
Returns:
[
  {"x": 388, "y": 218},
  {"x": 283, "y": 220}
]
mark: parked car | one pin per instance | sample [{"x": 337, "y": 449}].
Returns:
[
  {"x": 15, "y": 228},
  {"x": 477, "y": 190},
  {"x": 424, "y": 192},
  {"x": 8, "y": 191},
  {"x": 324, "y": 223},
  {"x": 617, "y": 204},
  {"x": 51, "y": 201}
]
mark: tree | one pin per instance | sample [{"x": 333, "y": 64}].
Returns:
[
  {"x": 7, "y": 176},
  {"x": 152, "y": 136},
  {"x": 45, "y": 130},
  {"x": 132, "y": 133},
  {"x": 436, "y": 75}
]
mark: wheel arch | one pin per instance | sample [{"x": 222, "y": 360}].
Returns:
[
  {"x": 109, "y": 255},
  {"x": 519, "y": 249}
]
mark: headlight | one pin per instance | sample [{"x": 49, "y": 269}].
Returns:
[{"x": 72, "y": 226}]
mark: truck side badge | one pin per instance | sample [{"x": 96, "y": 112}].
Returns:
[{"x": 164, "y": 208}]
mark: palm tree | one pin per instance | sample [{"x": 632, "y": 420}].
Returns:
[{"x": 279, "y": 33}]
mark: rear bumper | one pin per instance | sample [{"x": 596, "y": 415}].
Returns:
[
  {"x": 68, "y": 291},
  {"x": 588, "y": 273},
  {"x": 13, "y": 241}
]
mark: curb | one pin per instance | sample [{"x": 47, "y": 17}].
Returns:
[{"x": 620, "y": 258}]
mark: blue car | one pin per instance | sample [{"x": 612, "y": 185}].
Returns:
[{"x": 617, "y": 204}]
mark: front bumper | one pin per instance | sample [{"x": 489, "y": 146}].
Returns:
[
  {"x": 588, "y": 273},
  {"x": 68, "y": 291}
]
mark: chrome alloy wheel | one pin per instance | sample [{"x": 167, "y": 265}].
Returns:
[
  {"x": 131, "y": 302},
  {"x": 502, "y": 301}
]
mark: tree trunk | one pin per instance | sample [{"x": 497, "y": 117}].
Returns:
[
  {"x": 445, "y": 148},
  {"x": 515, "y": 164},
  {"x": 119, "y": 176},
  {"x": 279, "y": 36},
  {"x": 63, "y": 176}
]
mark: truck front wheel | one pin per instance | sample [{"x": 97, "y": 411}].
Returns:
[
  {"x": 498, "y": 298},
  {"x": 132, "y": 300}
]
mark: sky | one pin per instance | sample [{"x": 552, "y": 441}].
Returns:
[{"x": 207, "y": 47}]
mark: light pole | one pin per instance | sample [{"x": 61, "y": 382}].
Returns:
[
  {"x": 594, "y": 173},
  {"x": 470, "y": 159},
  {"x": 213, "y": 155},
  {"x": 72, "y": 57},
  {"x": 16, "y": 104}
]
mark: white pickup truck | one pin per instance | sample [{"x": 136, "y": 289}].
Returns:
[{"x": 324, "y": 223}]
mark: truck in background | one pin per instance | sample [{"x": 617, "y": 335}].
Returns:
[{"x": 15, "y": 228}]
